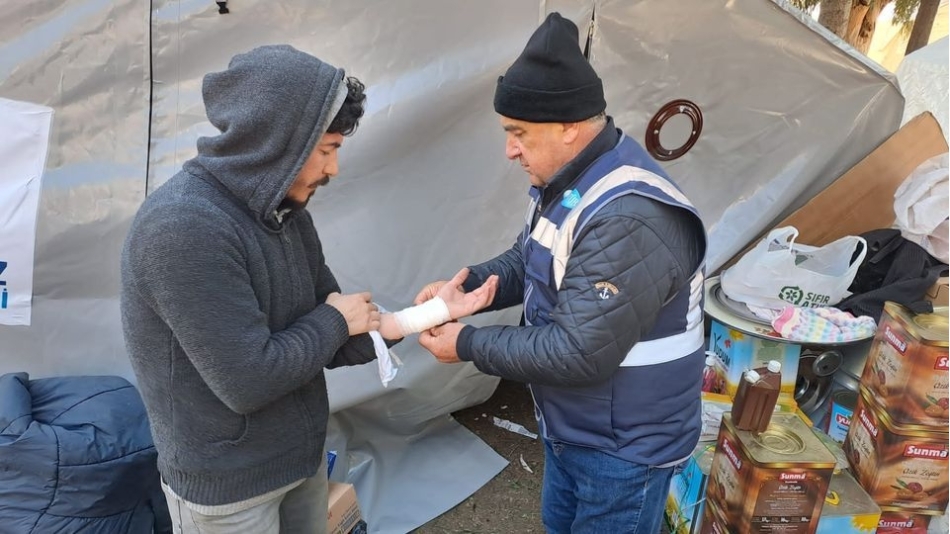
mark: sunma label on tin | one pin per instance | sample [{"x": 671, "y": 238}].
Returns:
[
  {"x": 917, "y": 451},
  {"x": 895, "y": 340}
]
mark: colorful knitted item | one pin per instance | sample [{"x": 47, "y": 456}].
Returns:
[{"x": 817, "y": 325}]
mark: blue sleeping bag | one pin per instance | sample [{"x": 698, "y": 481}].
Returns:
[{"x": 76, "y": 455}]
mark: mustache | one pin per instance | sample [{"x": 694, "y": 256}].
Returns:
[{"x": 322, "y": 181}]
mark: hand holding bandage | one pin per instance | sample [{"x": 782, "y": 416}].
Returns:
[{"x": 450, "y": 302}]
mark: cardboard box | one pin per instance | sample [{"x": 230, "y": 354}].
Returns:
[
  {"x": 939, "y": 293},
  {"x": 737, "y": 352},
  {"x": 862, "y": 199},
  {"x": 684, "y": 504},
  {"x": 343, "y": 510},
  {"x": 848, "y": 508}
]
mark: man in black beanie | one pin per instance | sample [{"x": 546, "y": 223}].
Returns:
[{"x": 609, "y": 268}]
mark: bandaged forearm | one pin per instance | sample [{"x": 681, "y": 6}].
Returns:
[{"x": 422, "y": 317}]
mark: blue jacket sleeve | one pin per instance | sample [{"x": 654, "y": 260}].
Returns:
[
  {"x": 648, "y": 258},
  {"x": 509, "y": 266}
]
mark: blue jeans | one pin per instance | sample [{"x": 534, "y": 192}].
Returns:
[{"x": 588, "y": 491}]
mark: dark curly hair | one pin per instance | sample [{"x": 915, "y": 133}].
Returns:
[{"x": 348, "y": 118}]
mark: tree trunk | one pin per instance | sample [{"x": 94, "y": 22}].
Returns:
[
  {"x": 924, "y": 22},
  {"x": 834, "y": 16},
  {"x": 862, "y": 22}
]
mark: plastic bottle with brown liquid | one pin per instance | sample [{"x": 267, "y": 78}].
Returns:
[
  {"x": 740, "y": 414},
  {"x": 755, "y": 412}
]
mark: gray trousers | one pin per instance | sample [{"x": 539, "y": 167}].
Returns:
[{"x": 301, "y": 509}]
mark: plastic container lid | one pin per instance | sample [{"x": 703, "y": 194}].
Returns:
[
  {"x": 774, "y": 366},
  {"x": 752, "y": 376}
]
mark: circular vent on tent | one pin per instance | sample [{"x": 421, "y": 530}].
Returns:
[{"x": 668, "y": 111}]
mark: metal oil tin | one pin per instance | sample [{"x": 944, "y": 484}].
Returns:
[
  {"x": 898, "y": 465},
  {"x": 907, "y": 367},
  {"x": 933, "y": 325},
  {"x": 893, "y": 427},
  {"x": 929, "y": 328},
  {"x": 788, "y": 442},
  {"x": 778, "y": 477}
]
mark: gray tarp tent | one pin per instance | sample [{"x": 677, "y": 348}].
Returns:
[{"x": 425, "y": 187}]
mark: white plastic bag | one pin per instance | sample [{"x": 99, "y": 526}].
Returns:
[
  {"x": 779, "y": 272},
  {"x": 920, "y": 207}
]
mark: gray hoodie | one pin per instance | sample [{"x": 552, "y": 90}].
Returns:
[{"x": 223, "y": 306}]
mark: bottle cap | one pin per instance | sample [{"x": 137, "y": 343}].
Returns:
[
  {"x": 774, "y": 366},
  {"x": 752, "y": 376},
  {"x": 710, "y": 361}
]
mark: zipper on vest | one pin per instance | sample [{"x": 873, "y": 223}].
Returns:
[
  {"x": 536, "y": 216},
  {"x": 538, "y": 414},
  {"x": 527, "y": 298}
]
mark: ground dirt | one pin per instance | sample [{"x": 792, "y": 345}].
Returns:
[{"x": 511, "y": 502}]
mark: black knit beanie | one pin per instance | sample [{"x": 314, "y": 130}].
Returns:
[{"x": 551, "y": 81}]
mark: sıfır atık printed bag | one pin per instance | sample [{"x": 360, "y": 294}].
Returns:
[{"x": 779, "y": 272}]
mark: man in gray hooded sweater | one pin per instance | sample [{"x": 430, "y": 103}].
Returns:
[{"x": 229, "y": 310}]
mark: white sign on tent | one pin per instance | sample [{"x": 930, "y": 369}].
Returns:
[{"x": 24, "y": 138}]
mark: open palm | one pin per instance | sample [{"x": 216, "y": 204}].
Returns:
[{"x": 462, "y": 304}]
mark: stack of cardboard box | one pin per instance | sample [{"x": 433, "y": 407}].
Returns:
[{"x": 343, "y": 510}]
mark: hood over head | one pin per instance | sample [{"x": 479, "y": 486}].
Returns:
[{"x": 271, "y": 105}]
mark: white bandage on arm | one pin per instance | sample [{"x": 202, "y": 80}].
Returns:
[{"x": 422, "y": 317}]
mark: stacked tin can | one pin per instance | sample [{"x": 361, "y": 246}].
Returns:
[
  {"x": 897, "y": 443},
  {"x": 767, "y": 482}
]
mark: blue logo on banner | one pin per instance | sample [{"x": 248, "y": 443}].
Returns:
[{"x": 3, "y": 284}]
